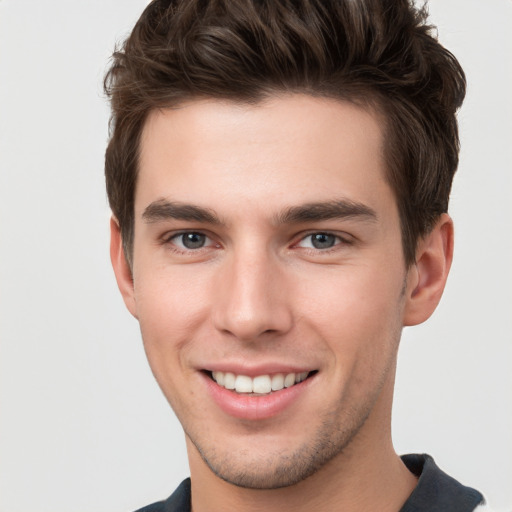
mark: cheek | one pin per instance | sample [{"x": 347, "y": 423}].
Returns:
[
  {"x": 362, "y": 334},
  {"x": 171, "y": 312},
  {"x": 171, "y": 307},
  {"x": 167, "y": 298},
  {"x": 357, "y": 297},
  {"x": 358, "y": 314}
]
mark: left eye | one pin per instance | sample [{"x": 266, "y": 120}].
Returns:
[
  {"x": 191, "y": 240},
  {"x": 319, "y": 241}
]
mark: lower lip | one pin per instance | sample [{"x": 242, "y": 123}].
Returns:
[{"x": 251, "y": 407}]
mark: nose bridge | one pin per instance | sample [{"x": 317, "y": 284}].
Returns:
[{"x": 253, "y": 299}]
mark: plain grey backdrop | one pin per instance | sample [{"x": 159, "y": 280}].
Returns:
[{"x": 83, "y": 426}]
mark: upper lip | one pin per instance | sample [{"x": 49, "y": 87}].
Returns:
[{"x": 255, "y": 370}]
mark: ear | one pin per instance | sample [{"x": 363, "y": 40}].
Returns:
[
  {"x": 426, "y": 279},
  {"x": 121, "y": 267}
]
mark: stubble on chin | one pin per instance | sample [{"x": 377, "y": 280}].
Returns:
[{"x": 278, "y": 469}]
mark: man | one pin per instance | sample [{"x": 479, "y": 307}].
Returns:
[{"x": 279, "y": 175}]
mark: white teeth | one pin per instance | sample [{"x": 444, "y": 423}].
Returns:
[
  {"x": 299, "y": 377},
  {"x": 277, "y": 382},
  {"x": 229, "y": 380},
  {"x": 219, "y": 378},
  {"x": 243, "y": 384},
  {"x": 289, "y": 380},
  {"x": 262, "y": 384}
]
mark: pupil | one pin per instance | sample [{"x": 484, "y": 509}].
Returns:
[
  {"x": 193, "y": 240},
  {"x": 322, "y": 240}
]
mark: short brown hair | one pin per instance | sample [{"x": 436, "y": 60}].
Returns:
[{"x": 378, "y": 53}]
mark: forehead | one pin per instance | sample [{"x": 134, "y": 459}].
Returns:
[{"x": 294, "y": 148}]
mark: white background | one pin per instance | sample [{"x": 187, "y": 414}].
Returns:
[{"x": 83, "y": 426}]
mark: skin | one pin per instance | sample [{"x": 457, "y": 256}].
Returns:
[{"x": 259, "y": 294}]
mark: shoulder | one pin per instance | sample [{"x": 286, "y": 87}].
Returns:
[
  {"x": 178, "y": 501},
  {"x": 435, "y": 491},
  {"x": 438, "y": 491},
  {"x": 484, "y": 507}
]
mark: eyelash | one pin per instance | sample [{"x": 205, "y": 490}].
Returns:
[
  {"x": 170, "y": 241},
  {"x": 338, "y": 241}
]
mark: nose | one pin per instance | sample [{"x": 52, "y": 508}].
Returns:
[{"x": 253, "y": 299}]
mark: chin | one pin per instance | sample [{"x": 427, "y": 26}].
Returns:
[
  {"x": 251, "y": 469},
  {"x": 274, "y": 472}
]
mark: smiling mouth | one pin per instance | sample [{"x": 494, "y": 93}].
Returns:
[{"x": 259, "y": 385}]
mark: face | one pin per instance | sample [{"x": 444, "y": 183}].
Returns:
[{"x": 269, "y": 281}]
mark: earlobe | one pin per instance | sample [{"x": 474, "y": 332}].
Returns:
[
  {"x": 427, "y": 277},
  {"x": 121, "y": 267}
]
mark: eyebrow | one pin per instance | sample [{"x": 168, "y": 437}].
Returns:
[
  {"x": 338, "y": 209},
  {"x": 164, "y": 210}
]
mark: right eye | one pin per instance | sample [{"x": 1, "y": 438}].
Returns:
[
  {"x": 191, "y": 240},
  {"x": 319, "y": 241}
]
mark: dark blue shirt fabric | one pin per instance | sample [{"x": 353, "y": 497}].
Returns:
[{"x": 436, "y": 491}]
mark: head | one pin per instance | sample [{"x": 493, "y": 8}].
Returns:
[
  {"x": 379, "y": 55},
  {"x": 279, "y": 176}
]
